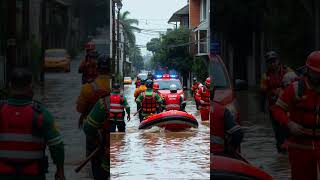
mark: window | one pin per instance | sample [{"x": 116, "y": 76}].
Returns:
[
  {"x": 201, "y": 40},
  {"x": 165, "y": 84},
  {"x": 203, "y": 10},
  {"x": 203, "y": 45}
]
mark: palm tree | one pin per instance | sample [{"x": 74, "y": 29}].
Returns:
[{"x": 128, "y": 27}]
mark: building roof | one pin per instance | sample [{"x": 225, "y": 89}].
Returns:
[{"x": 180, "y": 13}]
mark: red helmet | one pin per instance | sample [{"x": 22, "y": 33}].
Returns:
[
  {"x": 156, "y": 86},
  {"x": 208, "y": 81},
  {"x": 313, "y": 61},
  {"x": 90, "y": 46}
]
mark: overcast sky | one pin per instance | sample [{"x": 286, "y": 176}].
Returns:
[{"x": 153, "y": 16}]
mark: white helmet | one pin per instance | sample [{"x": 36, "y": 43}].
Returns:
[
  {"x": 288, "y": 78},
  {"x": 173, "y": 87}
]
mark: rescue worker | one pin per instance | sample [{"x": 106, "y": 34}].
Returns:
[
  {"x": 225, "y": 132},
  {"x": 97, "y": 129},
  {"x": 288, "y": 78},
  {"x": 26, "y": 128},
  {"x": 118, "y": 102},
  {"x": 302, "y": 100},
  {"x": 140, "y": 89},
  {"x": 194, "y": 91},
  {"x": 150, "y": 76},
  {"x": 148, "y": 100},
  {"x": 91, "y": 92},
  {"x": 174, "y": 101},
  {"x": 204, "y": 94},
  {"x": 88, "y": 67},
  {"x": 89, "y": 95},
  {"x": 195, "y": 86},
  {"x": 138, "y": 82},
  {"x": 137, "y": 92},
  {"x": 271, "y": 84},
  {"x": 156, "y": 90}
]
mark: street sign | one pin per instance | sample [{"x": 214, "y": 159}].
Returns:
[{"x": 215, "y": 47}]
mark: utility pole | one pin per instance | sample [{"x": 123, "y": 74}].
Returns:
[
  {"x": 11, "y": 41},
  {"x": 43, "y": 38},
  {"x": 118, "y": 42},
  {"x": 113, "y": 38},
  {"x": 317, "y": 24},
  {"x": 119, "y": 6}
]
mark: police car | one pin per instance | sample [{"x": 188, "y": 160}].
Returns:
[{"x": 165, "y": 80}]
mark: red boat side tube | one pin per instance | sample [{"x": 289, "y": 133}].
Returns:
[
  {"x": 170, "y": 120},
  {"x": 232, "y": 169}
]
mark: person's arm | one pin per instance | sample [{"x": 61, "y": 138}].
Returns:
[
  {"x": 54, "y": 142},
  {"x": 127, "y": 107},
  {"x": 182, "y": 103},
  {"x": 95, "y": 119},
  {"x": 279, "y": 111},
  {"x": 82, "y": 102},
  {"x": 82, "y": 65},
  {"x": 232, "y": 129}
]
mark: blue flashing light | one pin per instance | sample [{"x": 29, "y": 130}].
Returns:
[
  {"x": 158, "y": 76},
  {"x": 173, "y": 76}
]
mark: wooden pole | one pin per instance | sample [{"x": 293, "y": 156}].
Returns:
[
  {"x": 43, "y": 38},
  {"x": 317, "y": 25},
  {"x": 11, "y": 42},
  {"x": 113, "y": 38}
]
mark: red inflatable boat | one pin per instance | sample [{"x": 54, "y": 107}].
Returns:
[
  {"x": 232, "y": 169},
  {"x": 170, "y": 120}
]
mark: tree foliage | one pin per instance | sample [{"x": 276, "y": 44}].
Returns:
[
  {"x": 136, "y": 58},
  {"x": 172, "y": 50},
  {"x": 128, "y": 27}
]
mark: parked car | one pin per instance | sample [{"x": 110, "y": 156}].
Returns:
[
  {"x": 57, "y": 59},
  {"x": 127, "y": 80},
  {"x": 224, "y": 90}
]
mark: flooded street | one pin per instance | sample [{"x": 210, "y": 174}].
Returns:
[
  {"x": 259, "y": 146},
  {"x": 155, "y": 153}
]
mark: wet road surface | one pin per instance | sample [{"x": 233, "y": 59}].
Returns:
[
  {"x": 156, "y": 154},
  {"x": 159, "y": 154},
  {"x": 259, "y": 144},
  {"x": 59, "y": 94}
]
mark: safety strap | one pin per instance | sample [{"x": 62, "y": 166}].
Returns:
[
  {"x": 37, "y": 117},
  {"x": 217, "y": 140},
  {"x": 300, "y": 88}
]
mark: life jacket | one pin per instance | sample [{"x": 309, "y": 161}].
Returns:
[
  {"x": 205, "y": 95},
  {"x": 90, "y": 72},
  {"x": 273, "y": 82},
  {"x": 217, "y": 129},
  {"x": 22, "y": 145},
  {"x": 98, "y": 93},
  {"x": 305, "y": 110},
  {"x": 173, "y": 101},
  {"x": 149, "y": 103},
  {"x": 116, "y": 106},
  {"x": 195, "y": 87},
  {"x": 138, "y": 83}
]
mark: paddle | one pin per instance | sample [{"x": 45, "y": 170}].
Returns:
[
  {"x": 137, "y": 112},
  {"x": 84, "y": 162}
]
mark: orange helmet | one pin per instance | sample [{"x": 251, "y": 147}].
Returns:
[
  {"x": 155, "y": 86},
  {"x": 208, "y": 81},
  {"x": 90, "y": 46},
  {"x": 313, "y": 61}
]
